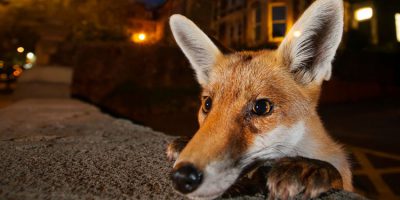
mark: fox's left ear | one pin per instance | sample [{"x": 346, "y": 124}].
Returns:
[
  {"x": 310, "y": 46},
  {"x": 196, "y": 45}
]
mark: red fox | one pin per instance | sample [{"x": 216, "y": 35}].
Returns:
[{"x": 260, "y": 106}]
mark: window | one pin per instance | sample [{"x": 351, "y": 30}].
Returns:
[
  {"x": 237, "y": 4},
  {"x": 237, "y": 32},
  {"x": 277, "y": 21},
  {"x": 216, "y": 10},
  {"x": 364, "y": 14},
  {"x": 240, "y": 3},
  {"x": 397, "y": 17},
  {"x": 364, "y": 24},
  {"x": 256, "y": 21},
  {"x": 223, "y": 8},
  {"x": 240, "y": 29}
]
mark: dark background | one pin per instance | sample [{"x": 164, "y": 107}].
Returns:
[{"x": 151, "y": 83}]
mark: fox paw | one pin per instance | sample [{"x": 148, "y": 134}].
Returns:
[
  {"x": 292, "y": 176},
  {"x": 175, "y": 147}
]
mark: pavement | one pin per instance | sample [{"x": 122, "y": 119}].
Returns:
[
  {"x": 376, "y": 174},
  {"x": 40, "y": 82},
  {"x": 53, "y": 147},
  {"x": 371, "y": 132}
]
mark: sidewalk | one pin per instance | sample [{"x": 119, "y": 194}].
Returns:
[{"x": 40, "y": 82}]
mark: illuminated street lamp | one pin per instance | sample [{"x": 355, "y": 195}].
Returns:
[
  {"x": 30, "y": 60},
  {"x": 20, "y": 49},
  {"x": 363, "y": 14},
  {"x": 17, "y": 70},
  {"x": 30, "y": 56},
  {"x": 142, "y": 36},
  {"x": 139, "y": 37}
]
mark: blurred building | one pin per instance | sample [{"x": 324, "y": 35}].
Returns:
[
  {"x": 255, "y": 23},
  {"x": 264, "y": 23},
  {"x": 150, "y": 24},
  {"x": 373, "y": 23}
]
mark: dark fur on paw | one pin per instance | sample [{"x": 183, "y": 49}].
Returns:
[
  {"x": 292, "y": 176},
  {"x": 251, "y": 183},
  {"x": 175, "y": 147}
]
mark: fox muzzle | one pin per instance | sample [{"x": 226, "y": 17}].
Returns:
[{"x": 186, "y": 178}]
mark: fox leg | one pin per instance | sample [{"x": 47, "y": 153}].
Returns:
[
  {"x": 250, "y": 184},
  {"x": 291, "y": 176},
  {"x": 176, "y": 146}
]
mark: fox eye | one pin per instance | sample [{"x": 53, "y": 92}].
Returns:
[
  {"x": 207, "y": 103},
  {"x": 262, "y": 107}
]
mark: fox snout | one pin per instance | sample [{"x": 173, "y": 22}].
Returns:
[
  {"x": 208, "y": 165},
  {"x": 186, "y": 178}
]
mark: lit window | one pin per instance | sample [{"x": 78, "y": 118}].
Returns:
[
  {"x": 277, "y": 21},
  {"x": 364, "y": 14},
  {"x": 397, "y": 17}
]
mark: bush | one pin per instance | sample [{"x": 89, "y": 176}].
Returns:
[{"x": 147, "y": 84}]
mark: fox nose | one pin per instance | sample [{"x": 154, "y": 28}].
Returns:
[{"x": 186, "y": 178}]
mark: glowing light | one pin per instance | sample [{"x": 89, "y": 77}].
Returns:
[
  {"x": 30, "y": 60},
  {"x": 296, "y": 34},
  {"x": 16, "y": 73},
  {"x": 1, "y": 64},
  {"x": 139, "y": 37},
  {"x": 20, "y": 49},
  {"x": 28, "y": 65},
  {"x": 30, "y": 55},
  {"x": 142, "y": 36},
  {"x": 18, "y": 70},
  {"x": 364, "y": 14},
  {"x": 397, "y": 16}
]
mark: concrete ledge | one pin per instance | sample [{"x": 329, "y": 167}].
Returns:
[{"x": 65, "y": 149}]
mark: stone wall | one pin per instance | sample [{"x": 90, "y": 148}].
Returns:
[{"x": 66, "y": 149}]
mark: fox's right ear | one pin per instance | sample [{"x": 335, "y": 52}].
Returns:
[
  {"x": 197, "y": 47},
  {"x": 310, "y": 46}
]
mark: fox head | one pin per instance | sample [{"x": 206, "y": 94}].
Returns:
[{"x": 255, "y": 105}]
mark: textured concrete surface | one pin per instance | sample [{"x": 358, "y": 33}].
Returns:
[{"x": 65, "y": 149}]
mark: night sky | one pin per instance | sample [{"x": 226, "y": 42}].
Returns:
[{"x": 152, "y": 3}]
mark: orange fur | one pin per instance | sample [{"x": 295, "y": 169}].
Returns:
[
  {"x": 289, "y": 77},
  {"x": 233, "y": 85}
]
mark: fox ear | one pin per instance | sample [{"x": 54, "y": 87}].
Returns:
[
  {"x": 197, "y": 47},
  {"x": 310, "y": 46}
]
